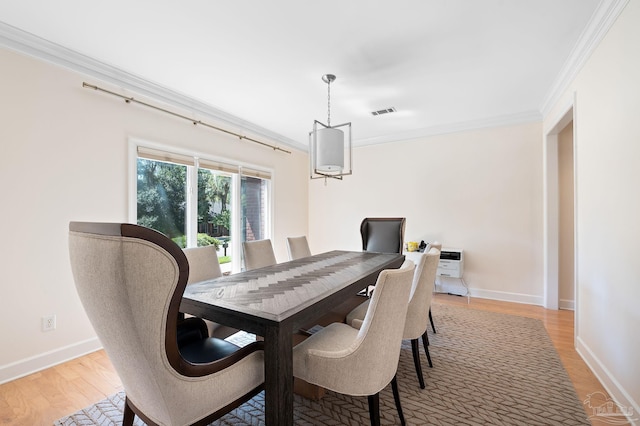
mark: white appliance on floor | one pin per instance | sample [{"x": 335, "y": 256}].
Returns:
[{"x": 450, "y": 271}]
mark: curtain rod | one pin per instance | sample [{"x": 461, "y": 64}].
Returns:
[{"x": 195, "y": 122}]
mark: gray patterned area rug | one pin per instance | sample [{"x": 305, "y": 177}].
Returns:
[{"x": 488, "y": 368}]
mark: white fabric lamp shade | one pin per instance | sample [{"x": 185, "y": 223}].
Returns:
[{"x": 329, "y": 150}]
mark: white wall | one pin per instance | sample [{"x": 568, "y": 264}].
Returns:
[
  {"x": 480, "y": 191},
  {"x": 607, "y": 133},
  {"x": 64, "y": 157}
]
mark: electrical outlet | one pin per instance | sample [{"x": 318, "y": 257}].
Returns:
[{"x": 49, "y": 323}]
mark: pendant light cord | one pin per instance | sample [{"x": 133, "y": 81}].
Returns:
[{"x": 329, "y": 103}]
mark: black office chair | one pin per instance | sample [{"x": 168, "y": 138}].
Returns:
[{"x": 383, "y": 234}]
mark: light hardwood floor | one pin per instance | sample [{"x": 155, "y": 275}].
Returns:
[{"x": 43, "y": 397}]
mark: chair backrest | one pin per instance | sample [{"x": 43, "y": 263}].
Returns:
[
  {"x": 258, "y": 254},
  {"x": 421, "y": 294},
  {"x": 298, "y": 247},
  {"x": 435, "y": 244},
  {"x": 383, "y": 234},
  {"x": 203, "y": 263},
  {"x": 130, "y": 280},
  {"x": 377, "y": 346}
]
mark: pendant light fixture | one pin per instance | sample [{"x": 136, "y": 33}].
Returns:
[{"x": 327, "y": 150}]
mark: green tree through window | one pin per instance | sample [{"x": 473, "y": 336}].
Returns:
[
  {"x": 217, "y": 203},
  {"x": 162, "y": 196},
  {"x": 214, "y": 198}
]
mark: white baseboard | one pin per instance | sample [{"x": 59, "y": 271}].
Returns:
[
  {"x": 518, "y": 298},
  {"x": 569, "y": 305},
  {"x": 619, "y": 395},
  {"x": 506, "y": 296},
  {"x": 459, "y": 287},
  {"x": 45, "y": 360}
]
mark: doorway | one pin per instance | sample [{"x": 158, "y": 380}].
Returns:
[{"x": 559, "y": 209}]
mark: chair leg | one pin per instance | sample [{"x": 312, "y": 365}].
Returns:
[
  {"x": 374, "y": 409},
  {"x": 396, "y": 397},
  {"x": 415, "y": 348},
  {"x": 425, "y": 343},
  {"x": 433, "y": 327},
  {"x": 129, "y": 415}
]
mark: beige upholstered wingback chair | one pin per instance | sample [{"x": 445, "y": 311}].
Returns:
[
  {"x": 383, "y": 234},
  {"x": 417, "y": 314},
  {"x": 130, "y": 280},
  {"x": 298, "y": 247},
  {"x": 361, "y": 362},
  {"x": 258, "y": 254},
  {"x": 204, "y": 265}
]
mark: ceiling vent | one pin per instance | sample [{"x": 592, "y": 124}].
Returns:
[{"x": 383, "y": 111}]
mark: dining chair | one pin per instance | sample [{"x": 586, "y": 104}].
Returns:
[
  {"x": 435, "y": 244},
  {"x": 203, "y": 263},
  {"x": 383, "y": 234},
  {"x": 130, "y": 280},
  {"x": 363, "y": 361},
  {"x": 258, "y": 254},
  {"x": 298, "y": 247},
  {"x": 438, "y": 245},
  {"x": 203, "y": 266},
  {"x": 417, "y": 321}
]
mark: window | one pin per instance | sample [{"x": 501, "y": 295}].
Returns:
[
  {"x": 198, "y": 201},
  {"x": 162, "y": 197}
]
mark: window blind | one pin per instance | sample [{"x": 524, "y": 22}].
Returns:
[
  {"x": 217, "y": 165},
  {"x": 260, "y": 174},
  {"x": 167, "y": 157},
  {"x": 188, "y": 160}
]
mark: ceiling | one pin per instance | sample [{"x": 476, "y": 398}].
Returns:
[{"x": 442, "y": 64}]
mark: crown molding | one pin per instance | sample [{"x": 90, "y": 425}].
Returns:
[
  {"x": 601, "y": 21},
  {"x": 465, "y": 126},
  {"x": 27, "y": 43},
  {"x": 21, "y": 41}
]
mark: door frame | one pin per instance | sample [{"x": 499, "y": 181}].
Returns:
[{"x": 551, "y": 227}]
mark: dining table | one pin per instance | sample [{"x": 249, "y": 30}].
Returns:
[{"x": 274, "y": 302}]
